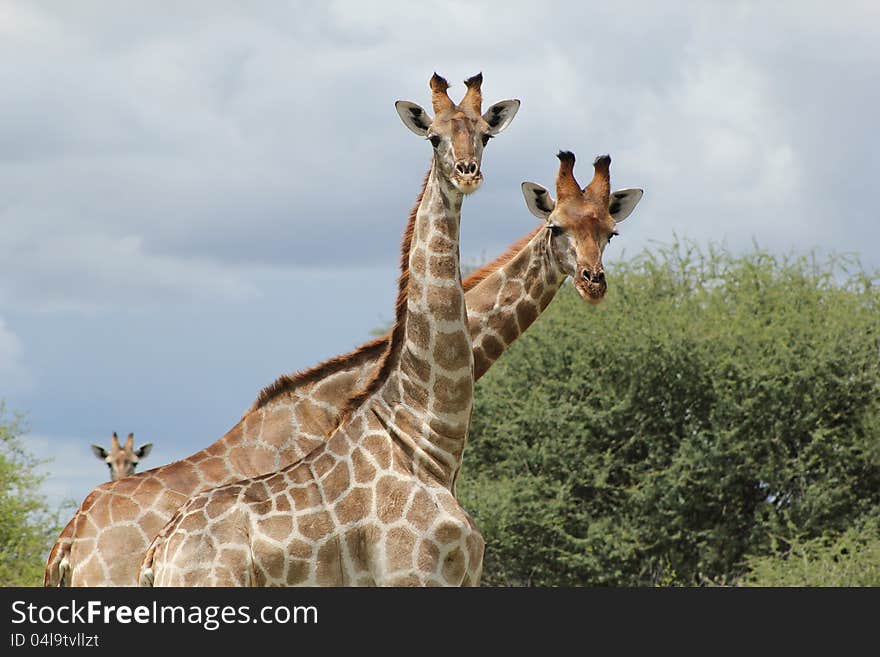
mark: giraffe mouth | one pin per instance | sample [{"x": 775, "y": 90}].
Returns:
[
  {"x": 592, "y": 293},
  {"x": 468, "y": 184}
]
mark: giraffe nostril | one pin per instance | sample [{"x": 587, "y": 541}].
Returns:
[
  {"x": 597, "y": 276},
  {"x": 466, "y": 168}
]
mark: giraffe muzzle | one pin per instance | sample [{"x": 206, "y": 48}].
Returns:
[
  {"x": 591, "y": 284},
  {"x": 467, "y": 176},
  {"x": 593, "y": 276}
]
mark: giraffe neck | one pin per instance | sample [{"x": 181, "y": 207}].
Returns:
[
  {"x": 428, "y": 396},
  {"x": 504, "y": 304}
]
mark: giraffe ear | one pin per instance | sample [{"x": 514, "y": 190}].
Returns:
[
  {"x": 413, "y": 117},
  {"x": 538, "y": 200},
  {"x": 623, "y": 202},
  {"x": 99, "y": 452},
  {"x": 500, "y": 115},
  {"x": 144, "y": 450}
]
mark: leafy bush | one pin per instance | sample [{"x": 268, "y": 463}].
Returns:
[
  {"x": 849, "y": 559},
  {"x": 711, "y": 403},
  {"x": 27, "y": 526}
]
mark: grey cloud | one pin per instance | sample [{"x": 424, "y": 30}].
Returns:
[
  {"x": 14, "y": 374},
  {"x": 225, "y": 140},
  {"x": 195, "y": 197}
]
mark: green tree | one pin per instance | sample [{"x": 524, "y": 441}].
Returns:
[
  {"x": 27, "y": 525},
  {"x": 851, "y": 558},
  {"x": 714, "y": 409}
]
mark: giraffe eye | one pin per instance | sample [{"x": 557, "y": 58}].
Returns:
[
  {"x": 486, "y": 137},
  {"x": 555, "y": 230},
  {"x": 435, "y": 140}
]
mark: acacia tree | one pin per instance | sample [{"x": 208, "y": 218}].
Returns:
[
  {"x": 714, "y": 408},
  {"x": 27, "y": 524}
]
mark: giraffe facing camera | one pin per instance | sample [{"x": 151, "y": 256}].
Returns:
[
  {"x": 375, "y": 504},
  {"x": 122, "y": 459}
]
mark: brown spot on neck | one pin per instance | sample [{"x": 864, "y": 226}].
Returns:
[{"x": 487, "y": 270}]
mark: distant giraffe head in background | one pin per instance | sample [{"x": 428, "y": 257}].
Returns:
[
  {"x": 122, "y": 460},
  {"x": 581, "y": 221}
]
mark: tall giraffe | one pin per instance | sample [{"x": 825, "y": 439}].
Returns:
[
  {"x": 374, "y": 505},
  {"x": 296, "y": 412},
  {"x": 122, "y": 461}
]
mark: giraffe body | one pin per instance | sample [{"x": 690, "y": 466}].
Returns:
[
  {"x": 337, "y": 518},
  {"x": 350, "y": 514}
]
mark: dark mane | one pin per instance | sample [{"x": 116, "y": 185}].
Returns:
[
  {"x": 367, "y": 351},
  {"x": 374, "y": 348},
  {"x": 399, "y": 328},
  {"x": 286, "y": 382}
]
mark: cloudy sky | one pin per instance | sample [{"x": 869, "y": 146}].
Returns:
[{"x": 196, "y": 197}]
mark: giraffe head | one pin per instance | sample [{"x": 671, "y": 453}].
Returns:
[
  {"x": 122, "y": 460},
  {"x": 581, "y": 222},
  {"x": 458, "y": 133}
]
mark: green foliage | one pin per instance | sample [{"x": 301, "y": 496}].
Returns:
[
  {"x": 849, "y": 559},
  {"x": 713, "y": 407},
  {"x": 27, "y": 526}
]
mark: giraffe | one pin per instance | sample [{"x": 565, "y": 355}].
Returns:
[
  {"x": 294, "y": 414},
  {"x": 122, "y": 461},
  {"x": 375, "y": 503},
  {"x": 577, "y": 227}
]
